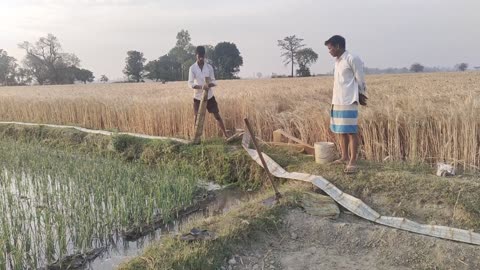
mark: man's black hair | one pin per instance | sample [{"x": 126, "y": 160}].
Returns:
[
  {"x": 336, "y": 40},
  {"x": 200, "y": 50}
]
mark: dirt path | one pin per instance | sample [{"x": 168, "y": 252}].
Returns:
[{"x": 306, "y": 242}]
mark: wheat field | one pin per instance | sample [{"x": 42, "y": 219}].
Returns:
[{"x": 412, "y": 117}]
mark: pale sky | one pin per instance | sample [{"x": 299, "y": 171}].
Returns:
[{"x": 384, "y": 33}]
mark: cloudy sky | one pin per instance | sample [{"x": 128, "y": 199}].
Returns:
[{"x": 385, "y": 33}]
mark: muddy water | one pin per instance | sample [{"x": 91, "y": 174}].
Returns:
[{"x": 120, "y": 251}]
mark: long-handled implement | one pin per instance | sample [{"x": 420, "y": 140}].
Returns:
[
  {"x": 260, "y": 155},
  {"x": 202, "y": 110}
]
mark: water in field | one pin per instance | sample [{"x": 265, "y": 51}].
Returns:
[
  {"x": 121, "y": 251},
  {"x": 56, "y": 204}
]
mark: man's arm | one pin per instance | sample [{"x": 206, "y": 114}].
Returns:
[
  {"x": 191, "y": 80},
  {"x": 357, "y": 67}
]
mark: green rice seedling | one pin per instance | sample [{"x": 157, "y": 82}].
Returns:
[{"x": 57, "y": 203}]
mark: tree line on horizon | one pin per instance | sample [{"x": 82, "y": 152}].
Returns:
[
  {"x": 45, "y": 62},
  {"x": 174, "y": 66}
]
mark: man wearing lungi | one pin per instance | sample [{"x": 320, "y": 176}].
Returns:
[{"x": 348, "y": 91}]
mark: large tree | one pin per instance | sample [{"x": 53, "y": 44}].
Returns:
[
  {"x": 227, "y": 60},
  {"x": 184, "y": 59},
  {"x": 461, "y": 66},
  {"x": 417, "y": 67},
  {"x": 183, "y": 53},
  {"x": 23, "y": 76},
  {"x": 47, "y": 62},
  {"x": 134, "y": 65},
  {"x": 163, "y": 69},
  {"x": 305, "y": 58},
  {"x": 152, "y": 70},
  {"x": 37, "y": 68},
  {"x": 104, "y": 78},
  {"x": 8, "y": 67},
  {"x": 209, "y": 52},
  {"x": 174, "y": 66},
  {"x": 84, "y": 75},
  {"x": 184, "y": 41},
  {"x": 290, "y": 46}
]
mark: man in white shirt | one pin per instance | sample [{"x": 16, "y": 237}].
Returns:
[
  {"x": 348, "y": 91},
  {"x": 196, "y": 80}
]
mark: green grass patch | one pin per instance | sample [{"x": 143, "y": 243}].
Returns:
[
  {"x": 65, "y": 191},
  {"x": 213, "y": 159},
  {"x": 234, "y": 228},
  {"x": 400, "y": 189},
  {"x": 56, "y": 202}
]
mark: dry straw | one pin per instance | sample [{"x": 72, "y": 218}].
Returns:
[{"x": 414, "y": 117}]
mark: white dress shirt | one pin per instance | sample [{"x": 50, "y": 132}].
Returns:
[
  {"x": 196, "y": 76},
  {"x": 349, "y": 79}
]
